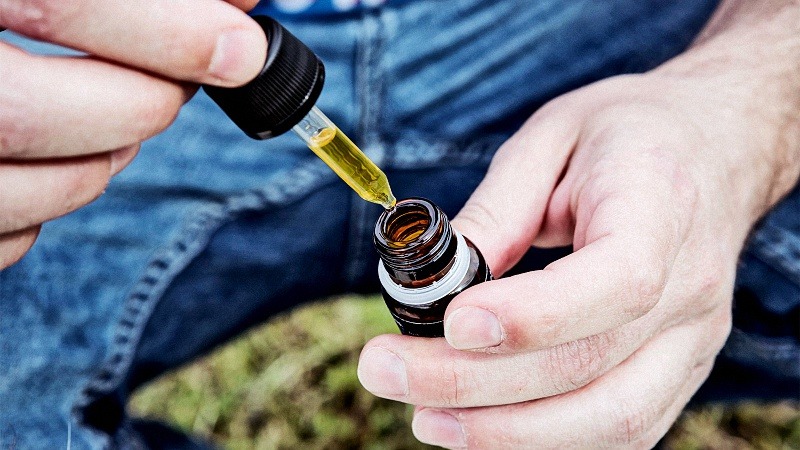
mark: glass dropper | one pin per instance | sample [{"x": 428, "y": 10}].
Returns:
[
  {"x": 283, "y": 96},
  {"x": 328, "y": 142}
]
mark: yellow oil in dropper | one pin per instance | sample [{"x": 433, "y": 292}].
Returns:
[
  {"x": 353, "y": 166},
  {"x": 328, "y": 142}
]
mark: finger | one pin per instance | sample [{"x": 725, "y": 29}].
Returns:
[
  {"x": 122, "y": 157},
  {"x": 33, "y": 192},
  {"x": 503, "y": 215},
  {"x": 673, "y": 411},
  {"x": 14, "y": 245},
  {"x": 629, "y": 243},
  {"x": 205, "y": 41},
  {"x": 429, "y": 372},
  {"x": 100, "y": 108},
  {"x": 244, "y": 5},
  {"x": 558, "y": 227},
  {"x": 620, "y": 409}
]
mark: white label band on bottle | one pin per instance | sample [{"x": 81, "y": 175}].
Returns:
[{"x": 423, "y": 295}]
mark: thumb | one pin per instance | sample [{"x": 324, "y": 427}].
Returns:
[{"x": 504, "y": 214}]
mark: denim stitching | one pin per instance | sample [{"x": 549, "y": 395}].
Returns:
[
  {"x": 175, "y": 256},
  {"x": 369, "y": 93},
  {"x": 369, "y": 77},
  {"x": 419, "y": 153}
]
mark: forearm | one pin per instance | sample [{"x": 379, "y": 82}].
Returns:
[
  {"x": 748, "y": 61},
  {"x": 742, "y": 15}
]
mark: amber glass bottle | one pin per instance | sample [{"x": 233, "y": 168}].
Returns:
[{"x": 424, "y": 264}]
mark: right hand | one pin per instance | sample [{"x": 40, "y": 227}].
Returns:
[{"x": 67, "y": 124}]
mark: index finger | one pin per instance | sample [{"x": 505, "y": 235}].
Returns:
[
  {"x": 615, "y": 278},
  {"x": 203, "y": 41}
]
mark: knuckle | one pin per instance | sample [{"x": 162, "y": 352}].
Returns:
[
  {"x": 646, "y": 281},
  {"x": 18, "y": 124},
  {"x": 674, "y": 184},
  {"x": 575, "y": 364},
  {"x": 38, "y": 18},
  {"x": 480, "y": 436},
  {"x": 459, "y": 386},
  {"x": 719, "y": 325},
  {"x": 549, "y": 329},
  {"x": 629, "y": 424},
  {"x": 17, "y": 132},
  {"x": 712, "y": 279},
  {"x": 683, "y": 191}
]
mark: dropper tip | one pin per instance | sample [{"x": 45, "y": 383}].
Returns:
[{"x": 389, "y": 203}]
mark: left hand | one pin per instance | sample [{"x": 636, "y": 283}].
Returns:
[{"x": 656, "y": 180}]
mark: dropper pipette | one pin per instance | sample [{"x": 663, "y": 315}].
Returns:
[{"x": 283, "y": 97}]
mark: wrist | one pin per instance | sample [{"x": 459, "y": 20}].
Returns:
[{"x": 742, "y": 82}]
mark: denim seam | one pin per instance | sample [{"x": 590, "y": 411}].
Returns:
[
  {"x": 175, "y": 256},
  {"x": 369, "y": 93},
  {"x": 369, "y": 73},
  {"x": 417, "y": 153}
]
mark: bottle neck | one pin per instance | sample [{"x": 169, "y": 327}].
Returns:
[
  {"x": 451, "y": 280},
  {"x": 416, "y": 243}
]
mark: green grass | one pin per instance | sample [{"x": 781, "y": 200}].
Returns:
[{"x": 292, "y": 384}]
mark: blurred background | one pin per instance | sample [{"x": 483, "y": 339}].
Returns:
[{"x": 292, "y": 384}]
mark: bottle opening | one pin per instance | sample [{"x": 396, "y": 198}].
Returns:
[
  {"x": 414, "y": 224},
  {"x": 406, "y": 223},
  {"x": 415, "y": 241}
]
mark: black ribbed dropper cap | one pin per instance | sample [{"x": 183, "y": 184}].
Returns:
[{"x": 282, "y": 94}]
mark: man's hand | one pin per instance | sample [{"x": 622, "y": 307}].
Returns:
[
  {"x": 656, "y": 180},
  {"x": 67, "y": 124}
]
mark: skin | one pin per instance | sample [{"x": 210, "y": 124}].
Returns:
[
  {"x": 656, "y": 180},
  {"x": 61, "y": 142}
]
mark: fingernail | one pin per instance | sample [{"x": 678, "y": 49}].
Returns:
[
  {"x": 473, "y": 328},
  {"x": 121, "y": 158},
  {"x": 233, "y": 61},
  {"x": 383, "y": 373},
  {"x": 436, "y": 427}
]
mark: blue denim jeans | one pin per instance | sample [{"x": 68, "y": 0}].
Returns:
[{"x": 208, "y": 233}]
